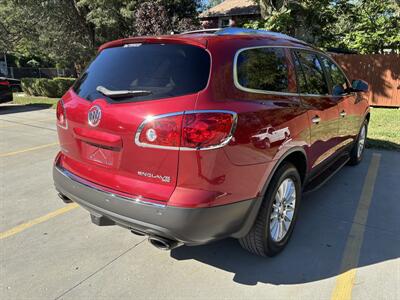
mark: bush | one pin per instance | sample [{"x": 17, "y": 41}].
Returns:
[{"x": 52, "y": 88}]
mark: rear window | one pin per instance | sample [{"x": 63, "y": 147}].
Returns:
[
  {"x": 164, "y": 70},
  {"x": 263, "y": 69}
]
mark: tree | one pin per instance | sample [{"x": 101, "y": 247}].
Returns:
[
  {"x": 375, "y": 27},
  {"x": 151, "y": 18},
  {"x": 213, "y": 3},
  {"x": 68, "y": 32},
  {"x": 166, "y": 16},
  {"x": 367, "y": 26}
]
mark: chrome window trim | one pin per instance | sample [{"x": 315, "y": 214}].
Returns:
[
  {"x": 250, "y": 90},
  {"x": 246, "y": 89},
  {"x": 209, "y": 30},
  {"x": 98, "y": 188},
  {"x": 220, "y": 145}
]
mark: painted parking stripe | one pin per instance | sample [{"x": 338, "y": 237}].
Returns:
[
  {"x": 348, "y": 268},
  {"x": 27, "y": 150},
  {"x": 36, "y": 221},
  {"x": 17, "y": 122}
]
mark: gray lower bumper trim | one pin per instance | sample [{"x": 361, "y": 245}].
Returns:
[{"x": 187, "y": 225}]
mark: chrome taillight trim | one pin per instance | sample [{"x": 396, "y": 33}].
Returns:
[
  {"x": 65, "y": 116},
  {"x": 188, "y": 112}
]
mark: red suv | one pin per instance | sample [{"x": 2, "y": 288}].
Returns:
[{"x": 200, "y": 136}]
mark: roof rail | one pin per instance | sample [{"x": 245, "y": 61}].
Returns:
[
  {"x": 242, "y": 31},
  {"x": 238, "y": 31},
  {"x": 210, "y": 30}
]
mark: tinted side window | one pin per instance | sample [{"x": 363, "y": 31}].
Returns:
[
  {"x": 263, "y": 69},
  {"x": 314, "y": 81},
  {"x": 337, "y": 78}
]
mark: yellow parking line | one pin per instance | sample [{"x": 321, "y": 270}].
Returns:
[
  {"x": 27, "y": 150},
  {"x": 345, "y": 281},
  {"x": 39, "y": 220},
  {"x": 15, "y": 122}
]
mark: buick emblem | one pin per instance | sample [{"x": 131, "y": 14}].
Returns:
[{"x": 94, "y": 116}]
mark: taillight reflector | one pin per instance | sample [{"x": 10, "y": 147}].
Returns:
[
  {"x": 61, "y": 115},
  {"x": 195, "y": 130}
]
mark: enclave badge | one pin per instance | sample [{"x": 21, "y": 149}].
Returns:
[{"x": 94, "y": 116}]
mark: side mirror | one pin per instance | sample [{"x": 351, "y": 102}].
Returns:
[{"x": 359, "y": 86}]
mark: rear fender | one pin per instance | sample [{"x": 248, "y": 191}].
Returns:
[{"x": 248, "y": 223}]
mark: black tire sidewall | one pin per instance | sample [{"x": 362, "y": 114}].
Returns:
[
  {"x": 354, "y": 155},
  {"x": 287, "y": 171}
]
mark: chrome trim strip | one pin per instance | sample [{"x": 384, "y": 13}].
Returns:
[
  {"x": 209, "y": 30},
  {"x": 222, "y": 144},
  {"x": 250, "y": 90},
  {"x": 98, "y": 188}
]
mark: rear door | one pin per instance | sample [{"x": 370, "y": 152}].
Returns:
[
  {"x": 99, "y": 141},
  {"x": 322, "y": 109}
]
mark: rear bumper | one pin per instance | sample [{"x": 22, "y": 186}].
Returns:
[{"x": 191, "y": 226}]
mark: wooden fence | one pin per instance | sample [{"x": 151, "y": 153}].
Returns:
[{"x": 381, "y": 71}]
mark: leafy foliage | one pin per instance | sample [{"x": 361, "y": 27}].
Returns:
[
  {"x": 68, "y": 32},
  {"x": 53, "y": 88},
  {"x": 151, "y": 18},
  {"x": 213, "y": 3},
  {"x": 367, "y": 26}
]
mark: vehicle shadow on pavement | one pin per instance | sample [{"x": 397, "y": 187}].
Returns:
[
  {"x": 316, "y": 249},
  {"x": 12, "y": 109}
]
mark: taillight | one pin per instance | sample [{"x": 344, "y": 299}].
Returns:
[
  {"x": 61, "y": 115},
  {"x": 6, "y": 83},
  {"x": 163, "y": 131},
  {"x": 197, "y": 130}
]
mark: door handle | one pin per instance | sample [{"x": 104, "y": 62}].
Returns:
[
  {"x": 316, "y": 120},
  {"x": 343, "y": 114}
]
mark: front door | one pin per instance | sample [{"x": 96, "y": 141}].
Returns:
[
  {"x": 351, "y": 114},
  {"x": 323, "y": 111}
]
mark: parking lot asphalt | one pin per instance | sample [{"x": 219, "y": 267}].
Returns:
[{"x": 346, "y": 243}]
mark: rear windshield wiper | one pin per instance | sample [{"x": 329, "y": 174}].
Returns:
[{"x": 122, "y": 93}]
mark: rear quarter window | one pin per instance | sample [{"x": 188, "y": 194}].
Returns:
[
  {"x": 166, "y": 70},
  {"x": 262, "y": 69}
]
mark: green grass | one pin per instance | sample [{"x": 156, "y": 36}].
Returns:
[
  {"x": 30, "y": 100},
  {"x": 384, "y": 129}
]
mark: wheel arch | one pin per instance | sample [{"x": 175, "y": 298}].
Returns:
[{"x": 297, "y": 156}]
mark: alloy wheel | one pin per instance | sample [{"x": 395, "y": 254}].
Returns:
[
  {"x": 282, "y": 210},
  {"x": 361, "y": 142}
]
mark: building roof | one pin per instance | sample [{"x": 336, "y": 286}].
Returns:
[{"x": 232, "y": 8}]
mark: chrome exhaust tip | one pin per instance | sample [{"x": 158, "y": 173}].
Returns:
[
  {"x": 162, "y": 243},
  {"x": 137, "y": 232},
  {"x": 64, "y": 198}
]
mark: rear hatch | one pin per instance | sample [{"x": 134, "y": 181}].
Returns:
[{"x": 122, "y": 87}]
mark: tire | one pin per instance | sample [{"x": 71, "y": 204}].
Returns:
[
  {"x": 356, "y": 156},
  {"x": 261, "y": 239}
]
